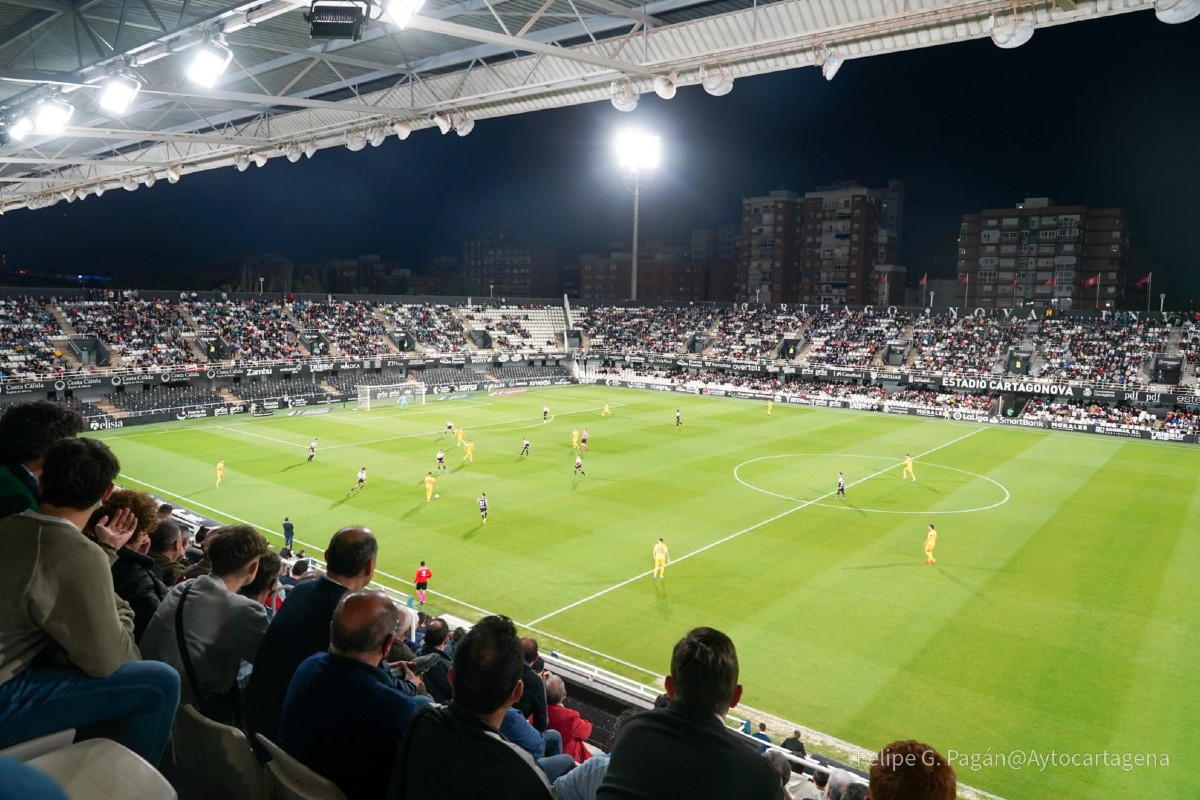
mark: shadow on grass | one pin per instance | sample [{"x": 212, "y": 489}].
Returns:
[
  {"x": 415, "y": 509},
  {"x": 471, "y": 534},
  {"x": 293, "y": 466}
]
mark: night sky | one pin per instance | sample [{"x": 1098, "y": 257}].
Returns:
[{"x": 1103, "y": 113}]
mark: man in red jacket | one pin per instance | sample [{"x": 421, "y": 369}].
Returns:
[{"x": 573, "y": 728}]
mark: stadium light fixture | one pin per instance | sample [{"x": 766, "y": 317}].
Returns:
[
  {"x": 443, "y": 122},
  {"x": 241, "y": 162},
  {"x": 403, "y": 130},
  {"x": 355, "y": 141},
  {"x": 463, "y": 123},
  {"x": 310, "y": 149},
  {"x": 118, "y": 93},
  {"x": 21, "y": 129},
  {"x": 664, "y": 85},
  {"x": 717, "y": 81},
  {"x": 293, "y": 152},
  {"x": 173, "y": 173},
  {"x": 637, "y": 152},
  {"x": 209, "y": 63},
  {"x": 149, "y": 180},
  {"x": 1174, "y": 12},
  {"x": 260, "y": 159},
  {"x": 129, "y": 183},
  {"x": 830, "y": 61},
  {"x": 375, "y": 136},
  {"x": 1010, "y": 32},
  {"x": 336, "y": 19},
  {"x": 624, "y": 97},
  {"x": 401, "y": 11},
  {"x": 99, "y": 190},
  {"x": 68, "y": 195},
  {"x": 50, "y": 117}
]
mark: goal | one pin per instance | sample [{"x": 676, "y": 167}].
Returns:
[{"x": 395, "y": 394}]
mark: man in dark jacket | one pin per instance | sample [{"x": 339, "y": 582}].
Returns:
[
  {"x": 26, "y": 432},
  {"x": 685, "y": 750},
  {"x": 166, "y": 548},
  {"x": 437, "y": 676},
  {"x": 456, "y": 751},
  {"x": 301, "y": 627},
  {"x": 533, "y": 702}
]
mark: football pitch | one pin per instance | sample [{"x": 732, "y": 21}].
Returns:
[{"x": 1052, "y": 650}]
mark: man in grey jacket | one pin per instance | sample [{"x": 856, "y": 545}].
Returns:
[{"x": 67, "y": 657}]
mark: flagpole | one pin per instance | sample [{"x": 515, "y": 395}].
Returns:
[
  {"x": 1097, "y": 291},
  {"x": 967, "y": 291},
  {"x": 1149, "y": 289}
]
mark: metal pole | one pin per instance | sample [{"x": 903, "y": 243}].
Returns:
[
  {"x": 1097, "y": 291},
  {"x": 1149, "y": 289},
  {"x": 633, "y": 276},
  {"x": 1162, "y": 300}
]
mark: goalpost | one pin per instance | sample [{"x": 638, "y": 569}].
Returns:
[{"x": 395, "y": 394}]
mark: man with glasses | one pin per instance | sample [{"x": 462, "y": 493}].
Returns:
[{"x": 343, "y": 716}]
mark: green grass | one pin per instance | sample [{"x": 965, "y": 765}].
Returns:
[{"x": 1061, "y": 615}]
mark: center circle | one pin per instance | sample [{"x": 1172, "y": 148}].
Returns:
[{"x": 825, "y": 497}]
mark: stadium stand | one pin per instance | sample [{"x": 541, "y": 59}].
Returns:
[
  {"x": 253, "y": 330},
  {"x": 848, "y": 338},
  {"x": 522, "y": 372},
  {"x": 25, "y": 347},
  {"x": 1107, "y": 351},
  {"x": 649, "y": 330},
  {"x": 160, "y": 397},
  {"x": 436, "y": 328},
  {"x": 522, "y": 329},
  {"x": 755, "y": 333},
  {"x": 965, "y": 345},
  {"x": 351, "y": 326},
  {"x": 143, "y": 333}
]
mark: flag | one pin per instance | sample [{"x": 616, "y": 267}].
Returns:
[
  {"x": 883, "y": 279},
  {"x": 1052, "y": 282},
  {"x": 923, "y": 279},
  {"x": 1014, "y": 282},
  {"x": 1092, "y": 281},
  {"x": 1145, "y": 280},
  {"x": 965, "y": 279}
]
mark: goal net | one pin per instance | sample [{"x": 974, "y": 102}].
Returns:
[{"x": 396, "y": 394}]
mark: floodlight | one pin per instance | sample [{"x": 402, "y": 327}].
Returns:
[
  {"x": 99, "y": 190},
  {"x": 310, "y": 149},
  {"x": 1011, "y": 32},
  {"x": 717, "y": 81},
  {"x": 637, "y": 150},
  {"x": 51, "y": 116},
  {"x": 149, "y": 180},
  {"x": 129, "y": 183},
  {"x": 355, "y": 142},
  {"x": 260, "y": 159},
  {"x": 118, "y": 93},
  {"x": 241, "y": 161},
  {"x": 173, "y": 174},
  {"x": 403, "y": 130},
  {"x": 21, "y": 128},
  {"x": 1174, "y": 12},
  {"x": 68, "y": 195},
  {"x": 336, "y": 19},
  {"x": 209, "y": 63},
  {"x": 376, "y": 136},
  {"x": 831, "y": 62},
  {"x": 293, "y": 152},
  {"x": 401, "y": 11},
  {"x": 624, "y": 98},
  {"x": 443, "y": 122},
  {"x": 463, "y": 124},
  {"x": 664, "y": 85}
]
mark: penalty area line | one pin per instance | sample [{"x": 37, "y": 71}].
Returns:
[{"x": 743, "y": 532}]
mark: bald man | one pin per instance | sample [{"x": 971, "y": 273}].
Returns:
[
  {"x": 344, "y": 715},
  {"x": 301, "y": 627}
]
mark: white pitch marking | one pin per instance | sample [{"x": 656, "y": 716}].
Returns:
[{"x": 742, "y": 532}]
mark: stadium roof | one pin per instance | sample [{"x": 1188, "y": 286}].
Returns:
[{"x": 465, "y": 60}]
